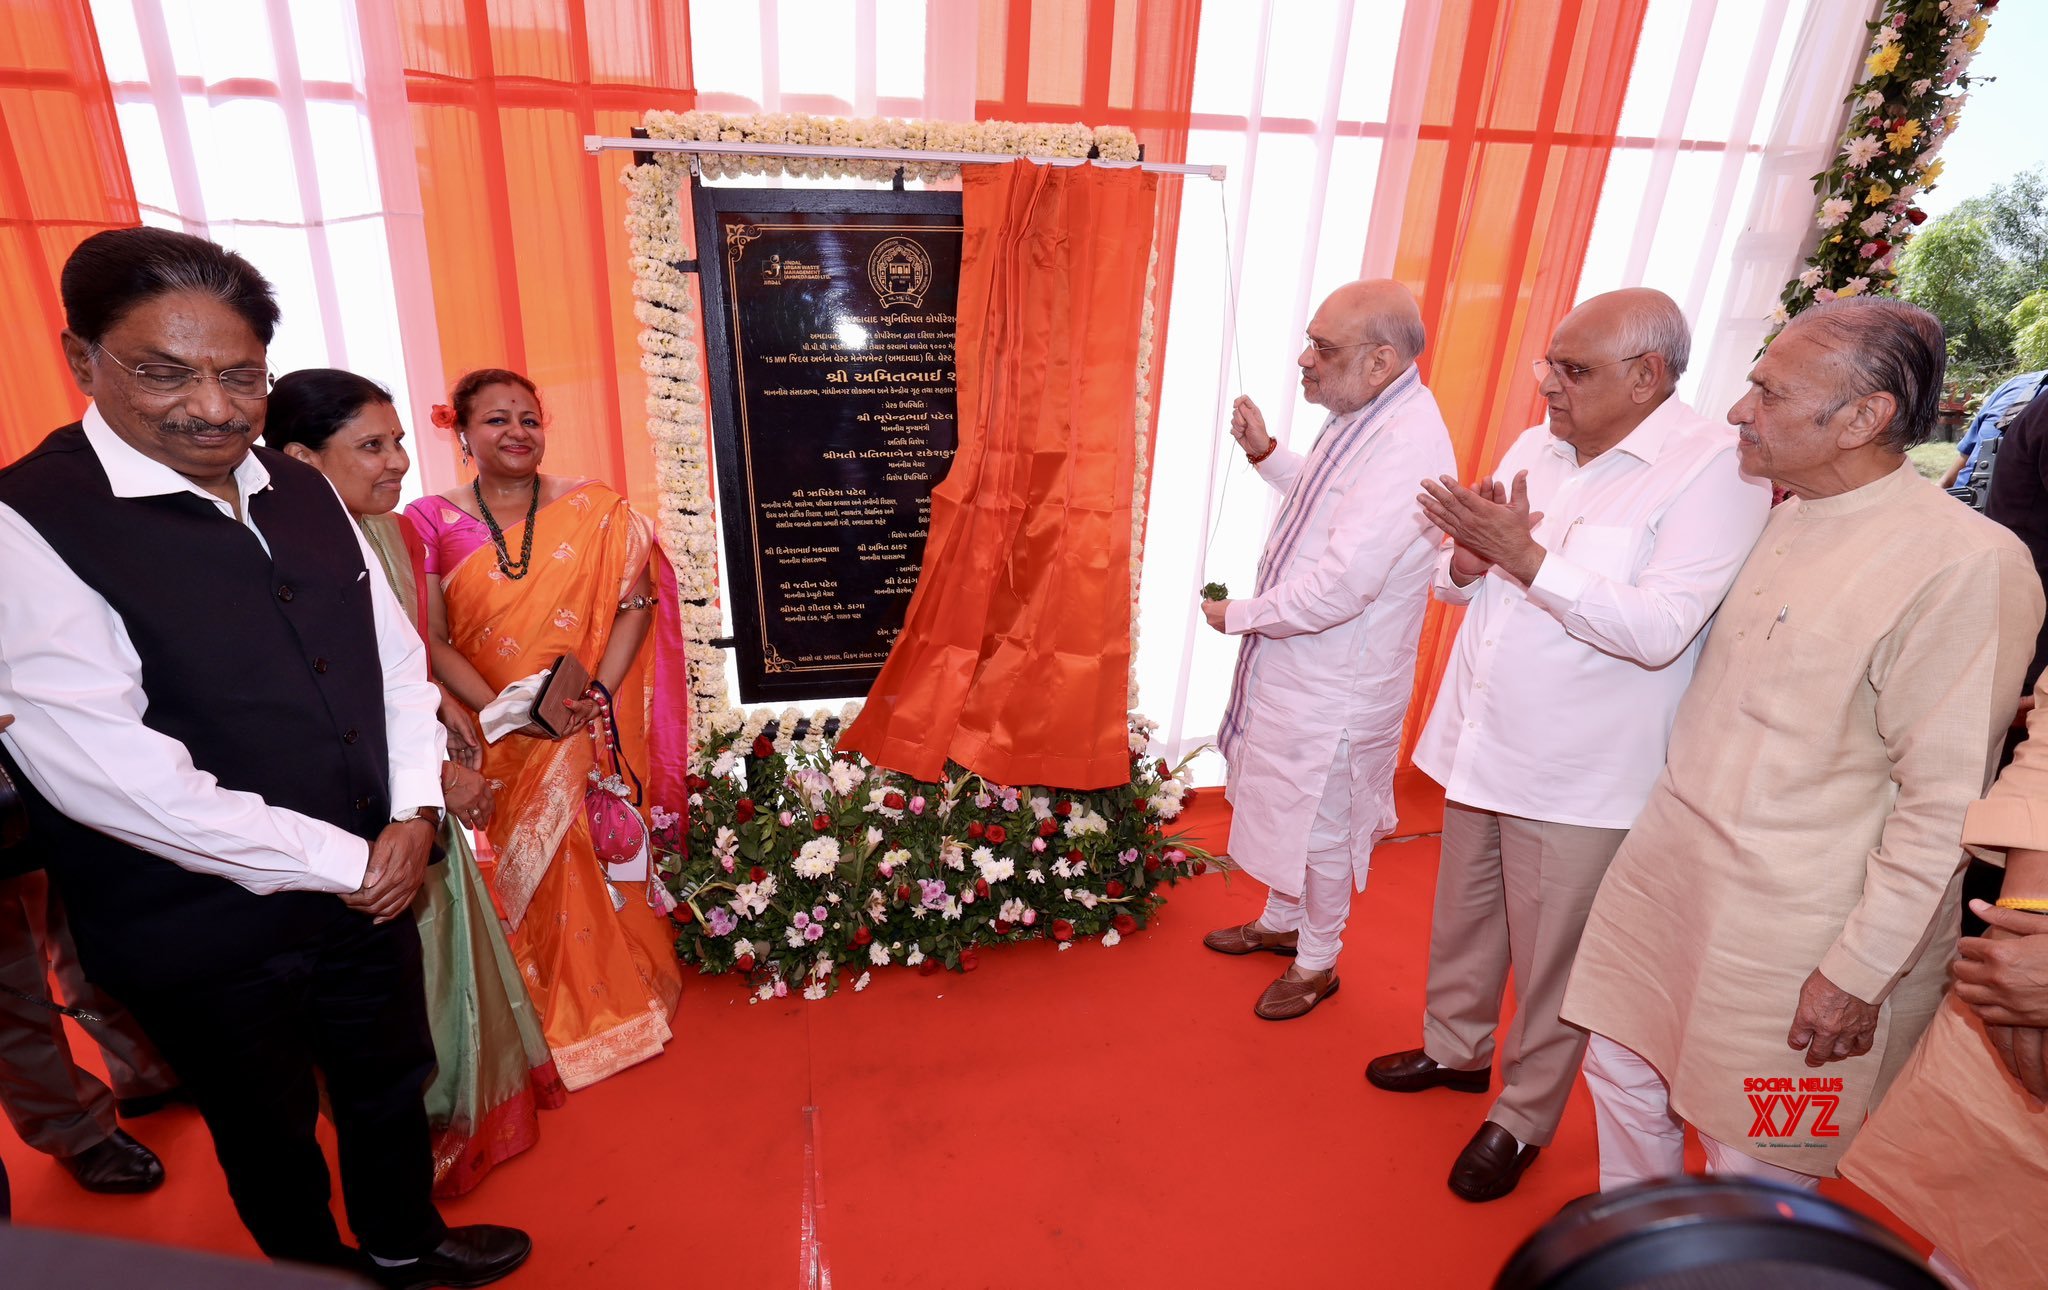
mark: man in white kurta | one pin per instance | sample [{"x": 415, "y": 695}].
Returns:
[
  {"x": 1328, "y": 653},
  {"x": 1774, "y": 935},
  {"x": 1591, "y": 564}
]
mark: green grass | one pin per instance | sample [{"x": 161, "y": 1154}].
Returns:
[{"x": 1932, "y": 460}]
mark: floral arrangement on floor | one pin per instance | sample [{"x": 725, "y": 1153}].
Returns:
[
  {"x": 799, "y": 865},
  {"x": 665, "y": 298},
  {"x": 1914, "y": 87}
]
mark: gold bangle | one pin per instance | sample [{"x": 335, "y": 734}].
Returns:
[{"x": 2025, "y": 906}]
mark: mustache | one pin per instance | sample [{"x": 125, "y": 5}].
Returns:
[{"x": 195, "y": 426}]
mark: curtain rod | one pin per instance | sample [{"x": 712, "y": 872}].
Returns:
[{"x": 596, "y": 143}]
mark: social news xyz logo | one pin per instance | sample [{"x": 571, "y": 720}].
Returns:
[{"x": 1785, "y": 1107}]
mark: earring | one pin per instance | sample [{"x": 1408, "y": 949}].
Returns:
[{"x": 465, "y": 447}]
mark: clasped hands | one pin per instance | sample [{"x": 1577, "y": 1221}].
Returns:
[
  {"x": 1488, "y": 524},
  {"x": 2003, "y": 977}
]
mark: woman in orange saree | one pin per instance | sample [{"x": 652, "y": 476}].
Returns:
[{"x": 593, "y": 945}]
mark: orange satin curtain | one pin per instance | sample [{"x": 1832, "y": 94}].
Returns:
[
  {"x": 1015, "y": 655},
  {"x": 1101, "y": 62},
  {"x": 63, "y": 177},
  {"x": 525, "y": 231},
  {"x": 1519, "y": 121}
]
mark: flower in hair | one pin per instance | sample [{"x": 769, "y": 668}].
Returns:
[{"x": 443, "y": 416}]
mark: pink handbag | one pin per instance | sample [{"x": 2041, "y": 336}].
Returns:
[{"x": 616, "y": 830}]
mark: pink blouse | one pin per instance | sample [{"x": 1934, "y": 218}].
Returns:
[{"x": 450, "y": 533}]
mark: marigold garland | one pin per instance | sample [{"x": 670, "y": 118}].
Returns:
[{"x": 1901, "y": 114}]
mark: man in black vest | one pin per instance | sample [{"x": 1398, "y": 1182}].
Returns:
[{"x": 230, "y": 732}]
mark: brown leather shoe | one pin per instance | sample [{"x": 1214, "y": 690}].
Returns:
[
  {"x": 1288, "y": 998},
  {"x": 1412, "y": 1071},
  {"x": 118, "y": 1165},
  {"x": 1491, "y": 1164},
  {"x": 1250, "y": 939}
]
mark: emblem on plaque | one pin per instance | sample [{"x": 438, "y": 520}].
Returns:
[{"x": 900, "y": 272}]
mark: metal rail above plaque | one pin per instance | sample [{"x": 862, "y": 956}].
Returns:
[{"x": 828, "y": 325}]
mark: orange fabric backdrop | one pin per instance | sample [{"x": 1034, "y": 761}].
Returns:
[
  {"x": 1523, "y": 100},
  {"x": 1101, "y": 62},
  {"x": 525, "y": 231},
  {"x": 63, "y": 177},
  {"x": 1015, "y": 655}
]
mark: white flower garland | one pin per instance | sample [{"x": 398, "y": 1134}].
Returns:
[{"x": 665, "y": 298}]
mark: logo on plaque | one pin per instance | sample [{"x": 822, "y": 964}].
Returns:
[{"x": 900, "y": 272}]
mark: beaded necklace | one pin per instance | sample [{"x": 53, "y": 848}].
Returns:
[{"x": 505, "y": 564}]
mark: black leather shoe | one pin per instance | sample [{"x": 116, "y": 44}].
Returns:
[
  {"x": 134, "y": 1108},
  {"x": 118, "y": 1165},
  {"x": 467, "y": 1256},
  {"x": 1413, "y": 1071},
  {"x": 1491, "y": 1164}
]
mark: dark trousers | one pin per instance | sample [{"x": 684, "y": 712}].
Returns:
[
  {"x": 56, "y": 1107},
  {"x": 350, "y": 1004}
]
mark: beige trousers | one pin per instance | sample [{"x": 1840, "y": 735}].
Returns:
[{"x": 1512, "y": 895}]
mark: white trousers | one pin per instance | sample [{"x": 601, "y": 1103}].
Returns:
[
  {"x": 1320, "y": 912},
  {"x": 1641, "y": 1140}
]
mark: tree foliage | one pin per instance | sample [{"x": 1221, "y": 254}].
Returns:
[{"x": 1975, "y": 266}]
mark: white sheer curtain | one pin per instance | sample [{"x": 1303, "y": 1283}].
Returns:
[
  {"x": 1733, "y": 107},
  {"x": 251, "y": 122}
]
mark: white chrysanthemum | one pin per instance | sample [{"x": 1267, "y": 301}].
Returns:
[{"x": 817, "y": 858}]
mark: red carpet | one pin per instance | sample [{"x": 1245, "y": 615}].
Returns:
[{"x": 1094, "y": 1117}]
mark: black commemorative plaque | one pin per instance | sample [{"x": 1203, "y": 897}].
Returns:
[{"x": 829, "y": 323}]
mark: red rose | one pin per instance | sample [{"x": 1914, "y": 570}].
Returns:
[
  {"x": 1125, "y": 924},
  {"x": 1151, "y": 864},
  {"x": 1062, "y": 930},
  {"x": 744, "y": 963},
  {"x": 1063, "y": 808},
  {"x": 1074, "y": 857},
  {"x": 696, "y": 783},
  {"x": 1047, "y": 827},
  {"x": 906, "y": 892},
  {"x": 975, "y": 829},
  {"x": 928, "y": 967},
  {"x": 861, "y": 935},
  {"x": 997, "y": 834},
  {"x": 1138, "y": 805},
  {"x": 1113, "y": 889},
  {"x": 981, "y": 888},
  {"x": 894, "y": 800},
  {"x": 1882, "y": 248},
  {"x": 1165, "y": 771},
  {"x": 1199, "y": 867},
  {"x": 744, "y": 810},
  {"x": 1000, "y": 928},
  {"x": 1917, "y": 215},
  {"x": 684, "y": 914},
  {"x": 821, "y": 822},
  {"x": 764, "y": 746},
  {"x": 969, "y": 960},
  {"x": 756, "y": 874}
]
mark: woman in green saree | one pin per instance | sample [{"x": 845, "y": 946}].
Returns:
[{"x": 495, "y": 1070}]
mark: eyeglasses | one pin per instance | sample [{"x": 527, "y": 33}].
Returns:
[
  {"x": 1324, "y": 347},
  {"x": 1572, "y": 373},
  {"x": 175, "y": 378}
]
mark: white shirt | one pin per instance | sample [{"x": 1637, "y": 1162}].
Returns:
[
  {"x": 70, "y": 675},
  {"x": 1558, "y": 699}
]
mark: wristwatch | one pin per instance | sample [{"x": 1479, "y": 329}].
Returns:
[{"x": 431, "y": 814}]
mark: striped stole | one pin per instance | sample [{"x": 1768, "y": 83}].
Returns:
[{"x": 1337, "y": 445}]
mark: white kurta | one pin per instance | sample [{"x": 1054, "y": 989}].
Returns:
[{"x": 1340, "y": 620}]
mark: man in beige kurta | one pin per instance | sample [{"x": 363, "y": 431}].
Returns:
[{"x": 1774, "y": 933}]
